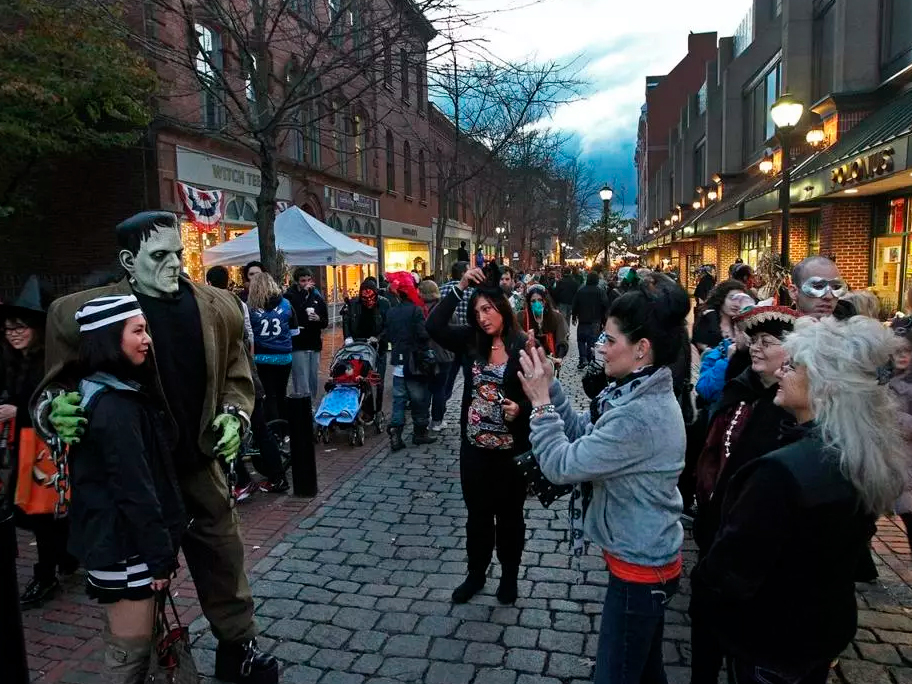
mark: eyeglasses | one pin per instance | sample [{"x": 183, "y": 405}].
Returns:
[
  {"x": 15, "y": 329},
  {"x": 764, "y": 343},
  {"x": 820, "y": 287}
]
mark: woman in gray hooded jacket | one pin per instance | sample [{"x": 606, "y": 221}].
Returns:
[{"x": 624, "y": 456}]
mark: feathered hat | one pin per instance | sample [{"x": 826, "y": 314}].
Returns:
[{"x": 774, "y": 320}]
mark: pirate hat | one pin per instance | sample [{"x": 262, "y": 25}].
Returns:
[{"x": 775, "y": 320}]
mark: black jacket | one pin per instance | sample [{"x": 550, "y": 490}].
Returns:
[
  {"x": 125, "y": 497},
  {"x": 777, "y": 586},
  {"x": 358, "y": 322},
  {"x": 765, "y": 429},
  {"x": 461, "y": 340},
  {"x": 310, "y": 337},
  {"x": 565, "y": 290},
  {"x": 590, "y": 305},
  {"x": 407, "y": 335}
]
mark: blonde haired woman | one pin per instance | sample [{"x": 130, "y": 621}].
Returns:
[
  {"x": 274, "y": 324},
  {"x": 778, "y": 581},
  {"x": 865, "y": 302}
]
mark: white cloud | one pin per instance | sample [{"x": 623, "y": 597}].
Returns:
[{"x": 631, "y": 38}]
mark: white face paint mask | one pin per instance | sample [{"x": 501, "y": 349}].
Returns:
[{"x": 156, "y": 268}]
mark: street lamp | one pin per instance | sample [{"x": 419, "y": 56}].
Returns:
[
  {"x": 500, "y": 230},
  {"x": 606, "y": 193},
  {"x": 786, "y": 112}
]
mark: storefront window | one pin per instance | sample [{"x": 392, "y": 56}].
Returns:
[
  {"x": 753, "y": 243},
  {"x": 403, "y": 255},
  {"x": 195, "y": 240}
]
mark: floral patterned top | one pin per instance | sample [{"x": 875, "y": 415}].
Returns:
[{"x": 486, "y": 427}]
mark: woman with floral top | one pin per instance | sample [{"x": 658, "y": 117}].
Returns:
[{"x": 494, "y": 425}]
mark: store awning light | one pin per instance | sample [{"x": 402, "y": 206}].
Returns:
[{"x": 766, "y": 165}]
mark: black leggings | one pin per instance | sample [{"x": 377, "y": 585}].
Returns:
[
  {"x": 51, "y": 535},
  {"x": 494, "y": 492},
  {"x": 275, "y": 383}
]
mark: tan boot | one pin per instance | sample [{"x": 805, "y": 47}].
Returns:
[{"x": 126, "y": 659}]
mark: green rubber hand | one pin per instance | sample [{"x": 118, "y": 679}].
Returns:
[
  {"x": 67, "y": 417},
  {"x": 230, "y": 443}
]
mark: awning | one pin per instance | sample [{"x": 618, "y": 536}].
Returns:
[{"x": 731, "y": 208}]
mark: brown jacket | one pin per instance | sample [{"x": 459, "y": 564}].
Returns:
[{"x": 227, "y": 367}]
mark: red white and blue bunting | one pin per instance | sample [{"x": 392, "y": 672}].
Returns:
[{"x": 205, "y": 208}]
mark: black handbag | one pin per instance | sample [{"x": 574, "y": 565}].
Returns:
[
  {"x": 422, "y": 363},
  {"x": 546, "y": 491}
]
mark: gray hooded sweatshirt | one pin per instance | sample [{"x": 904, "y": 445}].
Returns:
[{"x": 633, "y": 456}]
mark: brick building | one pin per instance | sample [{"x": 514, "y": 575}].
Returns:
[
  {"x": 362, "y": 160},
  {"x": 850, "y": 63}
]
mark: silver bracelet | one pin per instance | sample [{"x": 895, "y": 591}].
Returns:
[{"x": 542, "y": 410}]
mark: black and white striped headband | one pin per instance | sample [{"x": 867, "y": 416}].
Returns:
[{"x": 103, "y": 311}]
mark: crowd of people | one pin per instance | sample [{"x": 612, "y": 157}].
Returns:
[{"x": 782, "y": 452}]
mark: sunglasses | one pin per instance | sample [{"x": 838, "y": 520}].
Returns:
[{"x": 820, "y": 287}]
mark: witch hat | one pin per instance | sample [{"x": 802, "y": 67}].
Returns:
[{"x": 29, "y": 305}]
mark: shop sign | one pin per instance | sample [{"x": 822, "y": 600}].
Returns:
[
  {"x": 396, "y": 229},
  {"x": 864, "y": 168},
  {"x": 353, "y": 202},
  {"x": 216, "y": 172}
]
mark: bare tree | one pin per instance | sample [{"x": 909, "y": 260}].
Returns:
[
  {"x": 278, "y": 78},
  {"x": 493, "y": 107}
]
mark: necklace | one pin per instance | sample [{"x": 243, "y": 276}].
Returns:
[{"x": 731, "y": 428}]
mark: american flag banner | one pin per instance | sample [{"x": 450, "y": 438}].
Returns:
[{"x": 205, "y": 208}]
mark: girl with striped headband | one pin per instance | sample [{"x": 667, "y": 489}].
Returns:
[{"x": 126, "y": 512}]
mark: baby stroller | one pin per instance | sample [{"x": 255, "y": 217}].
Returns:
[{"x": 351, "y": 394}]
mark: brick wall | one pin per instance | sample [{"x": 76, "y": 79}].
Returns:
[
  {"x": 845, "y": 237},
  {"x": 798, "y": 236},
  {"x": 710, "y": 253},
  {"x": 726, "y": 252}
]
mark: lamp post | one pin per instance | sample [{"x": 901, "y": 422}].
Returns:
[
  {"x": 786, "y": 113},
  {"x": 606, "y": 193},
  {"x": 499, "y": 230}
]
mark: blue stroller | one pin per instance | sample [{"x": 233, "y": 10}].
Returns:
[{"x": 351, "y": 394}]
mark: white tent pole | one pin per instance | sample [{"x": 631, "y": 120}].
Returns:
[{"x": 336, "y": 304}]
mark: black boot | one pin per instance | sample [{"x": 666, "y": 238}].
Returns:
[
  {"x": 472, "y": 585},
  {"x": 421, "y": 436},
  {"x": 507, "y": 591},
  {"x": 245, "y": 663},
  {"x": 395, "y": 433},
  {"x": 39, "y": 590}
]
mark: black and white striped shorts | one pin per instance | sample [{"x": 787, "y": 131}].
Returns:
[{"x": 130, "y": 579}]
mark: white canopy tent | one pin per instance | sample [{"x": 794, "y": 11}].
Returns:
[{"x": 304, "y": 240}]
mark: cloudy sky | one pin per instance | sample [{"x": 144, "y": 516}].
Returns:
[{"x": 619, "y": 43}]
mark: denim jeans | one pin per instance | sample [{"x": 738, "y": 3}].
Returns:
[
  {"x": 305, "y": 367},
  {"x": 630, "y": 638},
  {"x": 416, "y": 392},
  {"x": 740, "y": 672},
  {"x": 438, "y": 392},
  {"x": 586, "y": 335}
]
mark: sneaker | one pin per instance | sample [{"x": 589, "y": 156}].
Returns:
[
  {"x": 438, "y": 425},
  {"x": 243, "y": 493},
  {"x": 274, "y": 487}
]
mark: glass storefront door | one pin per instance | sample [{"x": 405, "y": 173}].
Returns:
[{"x": 891, "y": 258}]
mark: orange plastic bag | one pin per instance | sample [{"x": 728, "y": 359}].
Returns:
[{"x": 36, "y": 485}]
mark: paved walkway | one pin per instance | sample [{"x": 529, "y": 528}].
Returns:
[{"x": 355, "y": 588}]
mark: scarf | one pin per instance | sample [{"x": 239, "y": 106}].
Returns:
[{"x": 581, "y": 496}]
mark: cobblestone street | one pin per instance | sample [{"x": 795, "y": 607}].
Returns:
[{"x": 355, "y": 589}]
